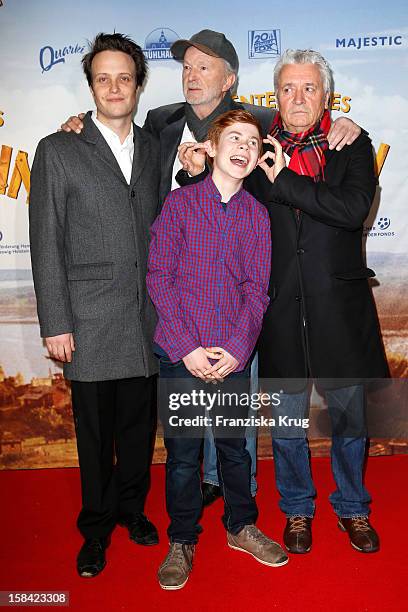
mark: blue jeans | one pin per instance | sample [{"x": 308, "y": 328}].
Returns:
[
  {"x": 291, "y": 454},
  {"x": 183, "y": 483},
  {"x": 210, "y": 474}
]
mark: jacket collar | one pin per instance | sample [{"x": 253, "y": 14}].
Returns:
[{"x": 92, "y": 135}]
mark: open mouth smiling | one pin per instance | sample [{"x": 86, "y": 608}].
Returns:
[{"x": 239, "y": 160}]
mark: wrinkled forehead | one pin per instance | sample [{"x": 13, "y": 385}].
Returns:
[{"x": 300, "y": 73}]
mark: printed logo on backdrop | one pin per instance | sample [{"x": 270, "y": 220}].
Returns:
[
  {"x": 50, "y": 56},
  {"x": 380, "y": 229},
  {"x": 364, "y": 42},
  {"x": 13, "y": 248},
  {"x": 158, "y": 43},
  {"x": 264, "y": 44}
]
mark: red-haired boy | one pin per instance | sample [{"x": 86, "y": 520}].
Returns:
[{"x": 208, "y": 275}]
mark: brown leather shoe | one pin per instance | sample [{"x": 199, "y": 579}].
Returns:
[
  {"x": 297, "y": 536},
  {"x": 175, "y": 569},
  {"x": 252, "y": 541},
  {"x": 363, "y": 536}
]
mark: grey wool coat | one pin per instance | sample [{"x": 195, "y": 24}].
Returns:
[{"x": 89, "y": 235}]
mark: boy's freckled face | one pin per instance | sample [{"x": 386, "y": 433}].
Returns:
[{"x": 237, "y": 151}]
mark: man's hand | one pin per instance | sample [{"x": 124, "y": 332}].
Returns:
[
  {"x": 61, "y": 347},
  {"x": 226, "y": 362},
  {"x": 74, "y": 124},
  {"x": 197, "y": 363},
  {"x": 192, "y": 156},
  {"x": 277, "y": 157},
  {"x": 343, "y": 132}
]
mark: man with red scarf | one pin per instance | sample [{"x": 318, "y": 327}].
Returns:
[{"x": 321, "y": 323}]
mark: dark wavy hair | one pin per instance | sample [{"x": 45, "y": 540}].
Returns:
[{"x": 115, "y": 42}]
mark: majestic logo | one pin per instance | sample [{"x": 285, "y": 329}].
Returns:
[
  {"x": 49, "y": 56},
  {"x": 264, "y": 43},
  {"x": 368, "y": 41},
  {"x": 158, "y": 43}
]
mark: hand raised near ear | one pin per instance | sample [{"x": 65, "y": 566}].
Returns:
[{"x": 192, "y": 156}]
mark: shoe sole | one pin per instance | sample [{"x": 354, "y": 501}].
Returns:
[
  {"x": 257, "y": 558},
  {"x": 298, "y": 552},
  {"x": 172, "y": 587},
  {"x": 374, "y": 550},
  {"x": 88, "y": 575}
]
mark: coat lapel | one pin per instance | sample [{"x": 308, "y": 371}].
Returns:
[
  {"x": 91, "y": 134},
  {"x": 328, "y": 154},
  {"x": 170, "y": 138},
  {"x": 140, "y": 155}
]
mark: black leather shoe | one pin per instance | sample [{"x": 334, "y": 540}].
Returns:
[
  {"x": 141, "y": 530},
  {"x": 91, "y": 558},
  {"x": 297, "y": 536},
  {"x": 210, "y": 493},
  {"x": 363, "y": 536}
]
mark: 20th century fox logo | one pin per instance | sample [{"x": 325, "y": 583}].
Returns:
[{"x": 264, "y": 43}]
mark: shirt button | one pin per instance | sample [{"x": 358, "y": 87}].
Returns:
[
  {"x": 298, "y": 298},
  {"x": 132, "y": 193},
  {"x": 300, "y": 251},
  {"x": 221, "y": 259}
]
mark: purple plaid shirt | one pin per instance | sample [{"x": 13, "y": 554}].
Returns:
[{"x": 208, "y": 271}]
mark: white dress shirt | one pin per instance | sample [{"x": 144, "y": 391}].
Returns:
[
  {"x": 186, "y": 137},
  {"x": 122, "y": 152}
]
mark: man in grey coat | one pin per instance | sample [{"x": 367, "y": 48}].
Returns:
[{"x": 93, "y": 199}]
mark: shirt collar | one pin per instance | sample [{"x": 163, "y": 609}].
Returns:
[
  {"x": 111, "y": 137},
  {"x": 213, "y": 192}
]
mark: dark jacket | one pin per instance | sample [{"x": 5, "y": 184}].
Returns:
[{"x": 322, "y": 320}]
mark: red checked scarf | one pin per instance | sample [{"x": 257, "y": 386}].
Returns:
[{"x": 305, "y": 149}]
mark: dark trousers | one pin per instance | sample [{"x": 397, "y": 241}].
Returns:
[
  {"x": 113, "y": 418},
  {"x": 183, "y": 482}
]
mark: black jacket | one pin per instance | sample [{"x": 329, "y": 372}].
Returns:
[{"x": 322, "y": 320}]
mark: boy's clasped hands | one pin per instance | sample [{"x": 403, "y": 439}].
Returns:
[{"x": 198, "y": 364}]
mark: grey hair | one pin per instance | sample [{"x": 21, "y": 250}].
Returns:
[
  {"x": 306, "y": 56},
  {"x": 229, "y": 69}
]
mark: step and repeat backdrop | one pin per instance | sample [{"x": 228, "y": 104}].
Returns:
[{"x": 42, "y": 84}]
